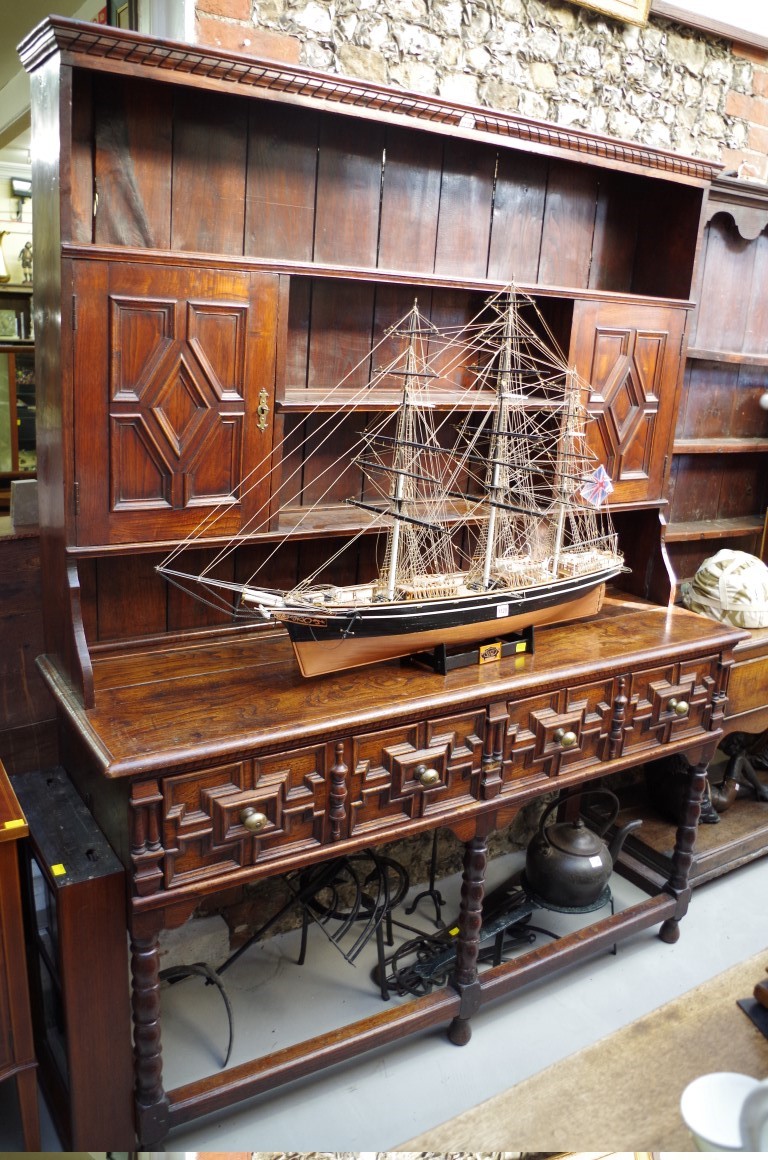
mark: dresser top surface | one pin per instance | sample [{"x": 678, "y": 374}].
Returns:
[{"x": 162, "y": 708}]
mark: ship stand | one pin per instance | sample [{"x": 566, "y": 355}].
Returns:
[{"x": 442, "y": 659}]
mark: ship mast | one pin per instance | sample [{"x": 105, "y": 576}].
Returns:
[
  {"x": 403, "y": 436},
  {"x": 499, "y": 448},
  {"x": 564, "y": 485}
]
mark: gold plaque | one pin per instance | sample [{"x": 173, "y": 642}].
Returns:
[{"x": 489, "y": 652}]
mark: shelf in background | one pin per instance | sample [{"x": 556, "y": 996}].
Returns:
[
  {"x": 714, "y": 529},
  {"x": 728, "y": 356},
  {"x": 720, "y": 446},
  {"x": 333, "y": 400},
  {"x": 740, "y": 836}
]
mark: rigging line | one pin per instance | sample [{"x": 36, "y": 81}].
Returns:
[
  {"x": 392, "y": 440},
  {"x": 398, "y": 516},
  {"x": 456, "y": 358},
  {"x": 263, "y": 511},
  {"x": 309, "y": 580},
  {"x": 251, "y": 528},
  {"x": 219, "y": 605},
  {"x": 482, "y": 499},
  {"x": 367, "y": 435},
  {"x": 217, "y": 511},
  {"x": 317, "y": 502},
  {"x": 422, "y": 476}
]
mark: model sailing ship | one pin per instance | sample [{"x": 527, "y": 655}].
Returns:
[{"x": 489, "y": 531}]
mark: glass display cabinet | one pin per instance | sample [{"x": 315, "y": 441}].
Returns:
[
  {"x": 18, "y": 452},
  {"x": 74, "y": 899}
]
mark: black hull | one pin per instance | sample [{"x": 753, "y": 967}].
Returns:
[
  {"x": 438, "y": 615},
  {"x": 331, "y": 653}
]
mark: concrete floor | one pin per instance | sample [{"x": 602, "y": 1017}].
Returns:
[{"x": 387, "y": 1097}]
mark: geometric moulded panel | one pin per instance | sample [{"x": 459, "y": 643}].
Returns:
[
  {"x": 179, "y": 406},
  {"x": 216, "y": 333},
  {"x": 626, "y": 366},
  {"x": 177, "y": 402},
  {"x": 140, "y": 332},
  {"x": 136, "y": 460},
  {"x": 174, "y": 370},
  {"x": 213, "y": 475}
]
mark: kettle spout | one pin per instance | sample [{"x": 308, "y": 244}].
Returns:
[{"x": 618, "y": 838}]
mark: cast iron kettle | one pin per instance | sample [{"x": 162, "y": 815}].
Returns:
[{"x": 568, "y": 864}]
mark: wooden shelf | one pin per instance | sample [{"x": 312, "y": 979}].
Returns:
[
  {"x": 736, "y": 445},
  {"x": 303, "y": 400},
  {"x": 714, "y": 529},
  {"x": 755, "y": 359},
  {"x": 345, "y": 519},
  {"x": 740, "y": 836}
]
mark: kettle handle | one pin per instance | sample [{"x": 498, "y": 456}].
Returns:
[{"x": 582, "y": 793}]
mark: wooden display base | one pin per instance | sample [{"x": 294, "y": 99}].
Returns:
[
  {"x": 739, "y": 837},
  {"x": 442, "y": 659}
]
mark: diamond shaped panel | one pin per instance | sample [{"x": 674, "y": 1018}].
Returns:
[{"x": 180, "y": 405}]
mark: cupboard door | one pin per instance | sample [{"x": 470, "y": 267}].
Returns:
[
  {"x": 631, "y": 356},
  {"x": 174, "y": 373}
]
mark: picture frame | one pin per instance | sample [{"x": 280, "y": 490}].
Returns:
[
  {"x": 123, "y": 14},
  {"x": 629, "y": 11},
  {"x": 744, "y": 21},
  {"x": 9, "y": 324}
]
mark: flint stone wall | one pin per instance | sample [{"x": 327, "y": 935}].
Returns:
[{"x": 662, "y": 85}]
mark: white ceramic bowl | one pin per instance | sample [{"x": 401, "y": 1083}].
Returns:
[{"x": 711, "y": 1106}]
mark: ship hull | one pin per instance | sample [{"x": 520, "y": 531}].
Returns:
[{"x": 372, "y": 634}]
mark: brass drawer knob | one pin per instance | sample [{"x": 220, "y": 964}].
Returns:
[
  {"x": 679, "y": 708},
  {"x": 566, "y": 737},
  {"x": 426, "y": 776},
  {"x": 253, "y": 820}
]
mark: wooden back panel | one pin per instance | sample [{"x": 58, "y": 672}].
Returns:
[{"x": 214, "y": 173}]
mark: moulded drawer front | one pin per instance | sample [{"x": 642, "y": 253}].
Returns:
[
  {"x": 669, "y": 703},
  {"x": 747, "y": 685},
  {"x": 415, "y": 771},
  {"x": 557, "y": 731},
  {"x": 222, "y": 819}
]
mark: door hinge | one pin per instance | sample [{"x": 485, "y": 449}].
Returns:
[
  {"x": 76, "y": 493},
  {"x": 74, "y": 311}
]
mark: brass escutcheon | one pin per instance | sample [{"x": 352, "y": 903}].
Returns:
[{"x": 262, "y": 410}]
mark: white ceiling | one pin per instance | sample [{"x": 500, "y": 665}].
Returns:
[{"x": 18, "y": 18}]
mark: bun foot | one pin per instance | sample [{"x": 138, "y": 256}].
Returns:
[
  {"x": 460, "y": 1031},
  {"x": 670, "y": 931}
]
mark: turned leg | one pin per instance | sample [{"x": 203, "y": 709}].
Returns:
[
  {"x": 151, "y": 1100},
  {"x": 682, "y": 856},
  {"x": 464, "y": 977}
]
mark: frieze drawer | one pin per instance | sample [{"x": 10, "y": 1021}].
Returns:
[
  {"x": 222, "y": 819},
  {"x": 415, "y": 771},
  {"x": 372, "y": 786},
  {"x": 557, "y": 731},
  {"x": 260, "y": 810},
  {"x": 669, "y": 703}
]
